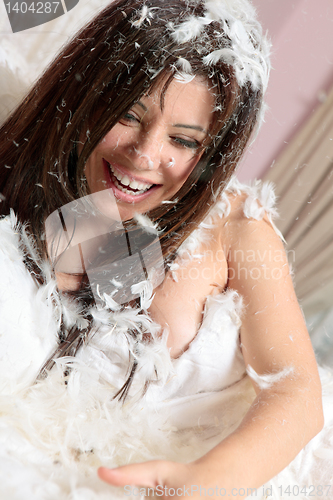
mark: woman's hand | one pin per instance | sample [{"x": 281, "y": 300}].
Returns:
[
  {"x": 160, "y": 475},
  {"x": 170, "y": 479}
]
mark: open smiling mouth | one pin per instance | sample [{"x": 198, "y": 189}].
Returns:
[{"x": 126, "y": 184}]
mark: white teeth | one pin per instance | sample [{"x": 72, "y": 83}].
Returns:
[
  {"x": 124, "y": 190},
  {"x": 140, "y": 187},
  {"x": 125, "y": 180}
]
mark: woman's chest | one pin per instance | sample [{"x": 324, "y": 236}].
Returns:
[{"x": 179, "y": 301}]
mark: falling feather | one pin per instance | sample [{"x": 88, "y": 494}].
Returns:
[{"x": 146, "y": 223}]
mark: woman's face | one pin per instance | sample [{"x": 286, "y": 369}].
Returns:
[{"x": 148, "y": 155}]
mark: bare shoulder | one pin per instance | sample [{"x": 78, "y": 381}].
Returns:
[
  {"x": 248, "y": 224},
  {"x": 254, "y": 250}
]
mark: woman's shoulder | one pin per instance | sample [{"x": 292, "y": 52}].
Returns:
[
  {"x": 251, "y": 200},
  {"x": 239, "y": 209},
  {"x": 243, "y": 207}
]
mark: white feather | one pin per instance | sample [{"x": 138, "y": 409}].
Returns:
[
  {"x": 145, "y": 290},
  {"x": 146, "y": 223},
  {"x": 188, "y": 30},
  {"x": 268, "y": 380},
  {"x": 184, "y": 77},
  {"x": 227, "y": 55},
  {"x": 184, "y": 65},
  {"x": 111, "y": 303},
  {"x": 145, "y": 15}
]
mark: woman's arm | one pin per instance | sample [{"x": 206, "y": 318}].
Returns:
[
  {"x": 284, "y": 415},
  {"x": 288, "y": 413}
]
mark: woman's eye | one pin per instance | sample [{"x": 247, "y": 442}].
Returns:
[
  {"x": 129, "y": 117},
  {"x": 186, "y": 143}
]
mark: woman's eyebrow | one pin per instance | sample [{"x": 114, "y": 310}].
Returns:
[
  {"x": 179, "y": 125},
  {"x": 194, "y": 127},
  {"x": 142, "y": 105}
]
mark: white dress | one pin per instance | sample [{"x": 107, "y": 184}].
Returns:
[{"x": 54, "y": 435}]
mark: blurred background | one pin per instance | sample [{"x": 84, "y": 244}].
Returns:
[{"x": 294, "y": 147}]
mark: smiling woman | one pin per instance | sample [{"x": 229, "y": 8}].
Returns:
[
  {"x": 148, "y": 155},
  {"x": 147, "y": 312}
]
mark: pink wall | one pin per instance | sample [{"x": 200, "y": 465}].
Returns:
[{"x": 302, "y": 58}]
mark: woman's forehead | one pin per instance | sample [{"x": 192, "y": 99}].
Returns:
[{"x": 196, "y": 84}]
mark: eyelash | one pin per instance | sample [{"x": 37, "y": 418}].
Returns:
[
  {"x": 185, "y": 143},
  {"x": 178, "y": 140},
  {"x": 130, "y": 117}
]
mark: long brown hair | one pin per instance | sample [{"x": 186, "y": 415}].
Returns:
[{"x": 92, "y": 83}]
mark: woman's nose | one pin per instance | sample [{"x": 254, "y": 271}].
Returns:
[{"x": 147, "y": 153}]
